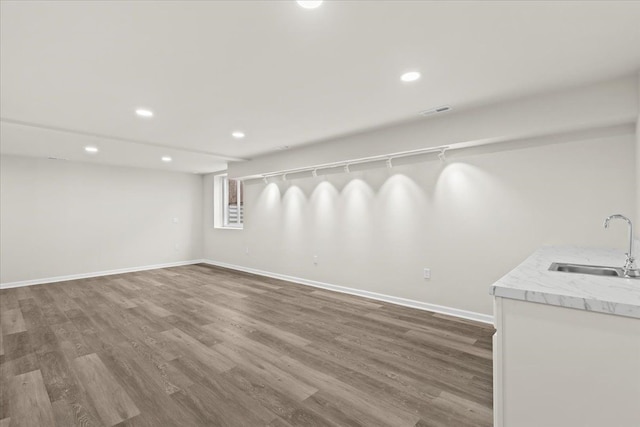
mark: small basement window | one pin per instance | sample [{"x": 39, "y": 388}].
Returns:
[{"x": 229, "y": 202}]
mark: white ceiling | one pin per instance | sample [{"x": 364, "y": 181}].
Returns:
[{"x": 72, "y": 73}]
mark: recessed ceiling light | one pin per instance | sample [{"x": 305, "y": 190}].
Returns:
[
  {"x": 309, "y": 4},
  {"x": 142, "y": 112},
  {"x": 237, "y": 134},
  {"x": 411, "y": 76},
  {"x": 166, "y": 159},
  {"x": 90, "y": 149}
]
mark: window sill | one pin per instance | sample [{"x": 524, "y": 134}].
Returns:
[{"x": 218, "y": 227}]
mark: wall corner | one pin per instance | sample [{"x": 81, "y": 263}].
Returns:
[{"x": 637, "y": 186}]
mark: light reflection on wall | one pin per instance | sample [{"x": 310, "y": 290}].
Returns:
[
  {"x": 400, "y": 200},
  {"x": 400, "y": 209},
  {"x": 457, "y": 185},
  {"x": 270, "y": 196},
  {"x": 269, "y": 204},
  {"x": 342, "y": 218},
  {"x": 294, "y": 205},
  {"x": 323, "y": 201},
  {"x": 356, "y": 196},
  {"x": 471, "y": 200}
]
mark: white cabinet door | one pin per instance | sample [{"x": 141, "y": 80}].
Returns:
[{"x": 560, "y": 367}]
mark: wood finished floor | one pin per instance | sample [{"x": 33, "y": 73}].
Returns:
[{"x": 203, "y": 346}]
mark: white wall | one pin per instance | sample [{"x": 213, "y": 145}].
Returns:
[
  {"x": 64, "y": 218},
  {"x": 470, "y": 220}
]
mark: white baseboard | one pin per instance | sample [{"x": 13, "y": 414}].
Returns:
[
  {"x": 479, "y": 317},
  {"x": 470, "y": 315},
  {"x": 95, "y": 274}
]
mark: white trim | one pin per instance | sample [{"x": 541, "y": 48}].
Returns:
[
  {"x": 470, "y": 315},
  {"x": 95, "y": 274},
  {"x": 498, "y": 384}
]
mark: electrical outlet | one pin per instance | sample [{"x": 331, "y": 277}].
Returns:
[
  {"x": 175, "y": 220},
  {"x": 427, "y": 273},
  {"x": 246, "y": 250},
  {"x": 315, "y": 259}
]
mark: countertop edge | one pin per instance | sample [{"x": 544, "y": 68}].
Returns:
[{"x": 564, "y": 301}]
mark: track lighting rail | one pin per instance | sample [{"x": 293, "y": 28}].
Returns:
[{"x": 346, "y": 164}]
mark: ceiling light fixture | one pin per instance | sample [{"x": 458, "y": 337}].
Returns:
[
  {"x": 309, "y": 4},
  {"x": 442, "y": 156},
  {"x": 91, "y": 149},
  {"x": 238, "y": 134},
  {"x": 142, "y": 112},
  {"x": 166, "y": 159},
  {"x": 411, "y": 76}
]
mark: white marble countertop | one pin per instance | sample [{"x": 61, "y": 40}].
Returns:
[{"x": 532, "y": 281}]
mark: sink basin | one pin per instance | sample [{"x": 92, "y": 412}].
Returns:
[{"x": 587, "y": 269}]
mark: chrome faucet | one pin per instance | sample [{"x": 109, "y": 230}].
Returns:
[{"x": 630, "y": 269}]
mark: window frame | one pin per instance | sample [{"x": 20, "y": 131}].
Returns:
[{"x": 221, "y": 203}]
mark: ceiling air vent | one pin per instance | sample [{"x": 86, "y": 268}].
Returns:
[
  {"x": 56, "y": 158},
  {"x": 436, "y": 110}
]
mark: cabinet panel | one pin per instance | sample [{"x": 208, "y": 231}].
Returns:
[{"x": 564, "y": 367}]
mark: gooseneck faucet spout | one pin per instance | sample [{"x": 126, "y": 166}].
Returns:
[{"x": 630, "y": 269}]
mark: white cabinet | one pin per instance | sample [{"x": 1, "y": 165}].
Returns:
[{"x": 562, "y": 367}]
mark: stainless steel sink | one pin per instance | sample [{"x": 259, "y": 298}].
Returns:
[{"x": 587, "y": 269}]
